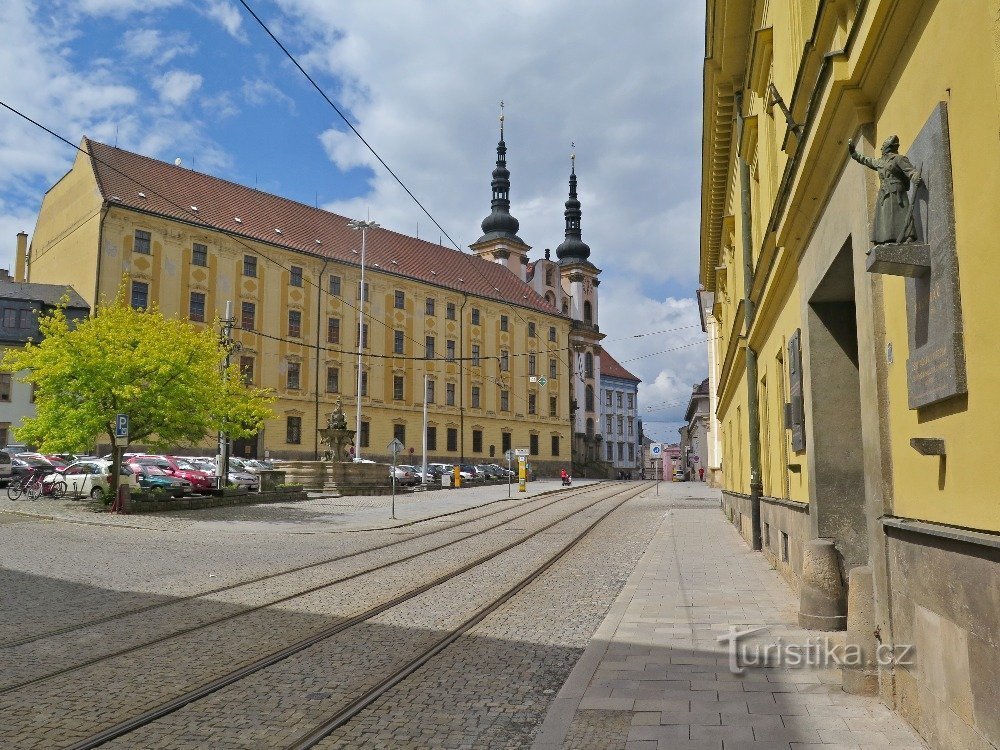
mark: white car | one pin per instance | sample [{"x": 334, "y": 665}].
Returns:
[{"x": 91, "y": 478}]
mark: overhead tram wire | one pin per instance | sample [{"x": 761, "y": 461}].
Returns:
[
  {"x": 672, "y": 349},
  {"x": 240, "y": 241},
  {"x": 381, "y": 161}
]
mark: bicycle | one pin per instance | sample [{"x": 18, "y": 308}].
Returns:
[{"x": 34, "y": 486}]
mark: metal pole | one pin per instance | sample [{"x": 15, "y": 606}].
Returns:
[
  {"x": 510, "y": 474},
  {"x": 361, "y": 346},
  {"x": 319, "y": 327},
  {"x": 364, "y": 226},
  {"x": 227, "y": 333},
  {"x": 656, "y": 475},
  {"x": 423, "y": 468},
  {"x": 394, "y": 454}
]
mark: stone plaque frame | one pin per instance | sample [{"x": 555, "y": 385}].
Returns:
[{"x": 935, "y": 370}]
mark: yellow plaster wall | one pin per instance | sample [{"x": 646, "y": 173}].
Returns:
[
  {"x": 64, "y": 244},
  {"x": 172, "y": 278},
  {"x": 962, "y": 490}
]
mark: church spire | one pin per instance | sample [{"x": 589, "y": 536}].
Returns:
[
  {"x": 500, "y": 222},
  {"x": 573, "y": 248}
]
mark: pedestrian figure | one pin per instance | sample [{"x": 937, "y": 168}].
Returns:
[
  {"x": 701, "y": 474},
  {"x": 893, "y": 216}
]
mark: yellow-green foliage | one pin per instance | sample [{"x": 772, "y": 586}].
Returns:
[{"x": 166, "y": 375}]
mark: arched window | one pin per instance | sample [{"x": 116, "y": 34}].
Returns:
[
  {"x": 588, "y": 315},
  {"x": 550, "y": 298},
  {"x": 565, "y": 306},
  {"x": 548, "y": 277},
  {"x": 590, "y": 428},
  {"x": 588, "y": 366},
  {"x": 590, "y": 400}
]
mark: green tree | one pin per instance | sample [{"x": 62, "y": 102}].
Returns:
[{"x": 166, "y": 375}]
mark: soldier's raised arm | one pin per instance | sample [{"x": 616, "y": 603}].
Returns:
[{"x": 861, "y": 159}]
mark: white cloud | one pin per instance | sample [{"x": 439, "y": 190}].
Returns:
[
  {"x": 177, "y": 86},
  {"x": 264, "y": 93},
  {"x": 228, "y": 16},
  {"x": 122, "y": 8},
  {"x": 156, "y": 46},
  {"x": 622, "y": 80}
]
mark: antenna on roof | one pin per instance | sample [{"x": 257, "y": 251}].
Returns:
[
  {"x": 418, "y": 230},
  {"x": 116, "y": 135},
  {"x": 316, "y": 203},
  {"x": 177, "y": 161}
]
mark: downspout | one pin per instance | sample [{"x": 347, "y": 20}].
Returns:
[
  {"x": 461, "y": 379},
  {"x": 319, "y": 321},
  {"x": 753, "y": 409},
  {"x": 100, "y": 253}
]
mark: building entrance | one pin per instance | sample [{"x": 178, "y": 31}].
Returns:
[{"x": 838, "y": 482}]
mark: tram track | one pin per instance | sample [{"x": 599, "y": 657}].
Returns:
[
  {"x": 333, "y": 722},
  {"x": 176, "y": 703},
  {"x": 559, "y": 495},
  {"x": 245, "y": 611}
]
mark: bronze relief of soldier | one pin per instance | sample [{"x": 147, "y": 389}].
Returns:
[{"x": 893, "y": 214}]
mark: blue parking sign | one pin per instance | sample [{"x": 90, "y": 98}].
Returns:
[{"x": 121, "y": 425}]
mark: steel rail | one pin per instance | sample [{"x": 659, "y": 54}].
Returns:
[
  {"x": 178, "y": 702},
  {"x": 310, "y": 590},
  {"x": 297, "y": 569},
  {"x": 371, "y": 695}
]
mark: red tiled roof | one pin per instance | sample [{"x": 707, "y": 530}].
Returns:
[
  {"x": 171, "y": 191},
  {"x": 611, "y": 368}
]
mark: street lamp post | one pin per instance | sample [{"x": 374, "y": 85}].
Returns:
[{"x": 364, "y": 226}]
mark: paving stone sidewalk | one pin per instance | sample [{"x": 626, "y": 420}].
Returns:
[{"x": 656, "y": 676}]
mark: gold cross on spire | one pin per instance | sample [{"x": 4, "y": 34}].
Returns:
[
  {"x": 501, "y": 119},
  {"x": 572, "y": 156}
]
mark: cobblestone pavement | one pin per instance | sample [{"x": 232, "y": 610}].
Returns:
[
  {"x": 320, "y": 514},
  {"x": 69, "y": 706},
  {"x": 57, "y": 573},
  {"x": 656, "y": 675},
  {"x": 616, "y": 646}
]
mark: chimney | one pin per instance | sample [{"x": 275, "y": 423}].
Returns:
[{"x": 19, "y": 257}]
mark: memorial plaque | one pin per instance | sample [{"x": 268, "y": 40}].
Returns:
[
  {"x": 935, "y": 370},
  {"x": 797, "y": 408}
]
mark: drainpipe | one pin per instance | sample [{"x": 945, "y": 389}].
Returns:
[
  {"x": 319, "y": 327},
  {"x": 753, "y": 409}
]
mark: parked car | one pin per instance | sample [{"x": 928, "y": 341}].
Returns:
[
  {"x": 469, "y": 473},
  {"x": 179, "y": 468},
  {"x": 153, "y": 477},
  {"x": 22, "y": 466},
  {"x": 238, "y": 477},
  {"x": 504, "y": 472},
  {"x": 6, "y": 466},
  {"x": 404, "y": 476},
  {"x": 679, "y": 475},
  {"x": 91, "y": 478},
  {"x": 418, "y": 476},
  {"x": 492, "y": 473}
]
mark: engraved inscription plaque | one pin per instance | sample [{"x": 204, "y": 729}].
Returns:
[{"x": 935, "y": 370}]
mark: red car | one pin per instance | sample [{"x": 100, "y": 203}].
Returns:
[{"x": 177, "y": 467}]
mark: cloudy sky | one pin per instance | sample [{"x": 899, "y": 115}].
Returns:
[{"x": 422, "y": 82}]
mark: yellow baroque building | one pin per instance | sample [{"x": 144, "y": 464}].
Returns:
[
  {"x": 190, "y": 243},
  {"x": 854, "y": 372}
]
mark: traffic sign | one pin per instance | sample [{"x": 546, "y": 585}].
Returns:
[
  {"x": 121, "y": 425},
  {"x": 395, "y": 446},
  {"x": 542, "y": 381},
  {"x": 509, "y": 455},
  {"x": 655, "y": 450},
  {"x": 522, "y": 452}
]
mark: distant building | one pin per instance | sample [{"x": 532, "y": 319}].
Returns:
[
  {"x": 21, "y": 304},
  {"x": 713, "y": 448},
  {"x": 619, "y": 429},
  {"x": 695, "y": 433}
]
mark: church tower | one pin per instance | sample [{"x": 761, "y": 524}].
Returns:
[
  {"x": 500, "y": 243},
  {"x": 579, "y": 283}
]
